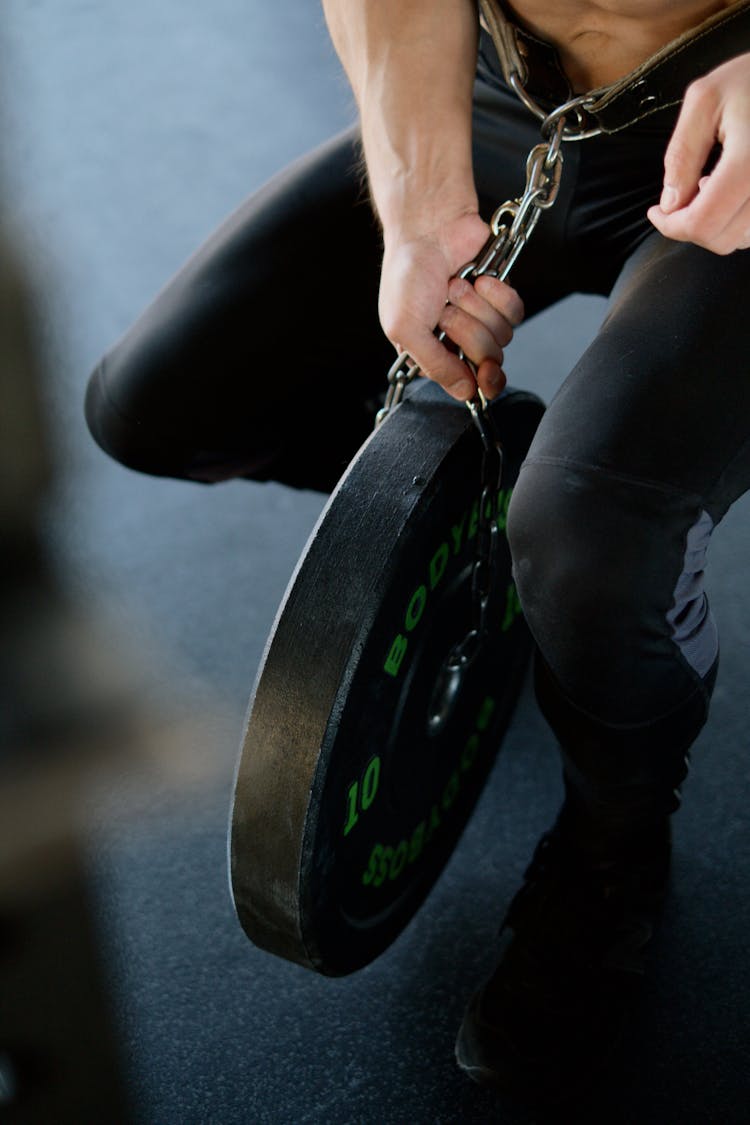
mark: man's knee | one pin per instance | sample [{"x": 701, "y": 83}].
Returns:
[
  {"x": 597, "y": 560},
  {"x": 568, "y": 571},
  {"x": 128, "y": 439}
]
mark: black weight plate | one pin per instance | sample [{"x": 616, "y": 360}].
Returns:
[{"x": 346, "y": 806}]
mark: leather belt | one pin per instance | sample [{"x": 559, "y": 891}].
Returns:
[{"x": 657, "y": 83}]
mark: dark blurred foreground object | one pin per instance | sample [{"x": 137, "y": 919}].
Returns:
[
  {"x": 71, "y": 708},
  {"x": 57, "y": 1055}
]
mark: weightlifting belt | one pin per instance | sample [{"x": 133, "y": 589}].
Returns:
[{"x": 658, "y": 82}]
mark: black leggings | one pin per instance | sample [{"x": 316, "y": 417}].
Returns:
[{"x": 264, "y": 358}]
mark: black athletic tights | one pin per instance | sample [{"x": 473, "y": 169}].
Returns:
[{"x": 263, "y": 358}]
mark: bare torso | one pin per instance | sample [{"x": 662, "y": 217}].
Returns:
[{"x": 600, "y": 40}]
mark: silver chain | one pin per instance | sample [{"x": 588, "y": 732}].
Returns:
[{"x": 511, "y": 227}]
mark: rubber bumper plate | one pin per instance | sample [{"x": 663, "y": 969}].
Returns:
[{"x": 347, "y": 803}]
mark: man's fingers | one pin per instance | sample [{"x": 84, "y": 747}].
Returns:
[
  {"x": 736, "y": 235},
  {"x": 463, "y": 295},
  {"x": 491, "y": 378},
  {"x": 690, "y": 144},
  {"x": 443, "y": 366},
  {"x": 480, "y": 319},
  {"x": 502, "y": 297},
  {"x": 712, "y": 218},
  {"x": 721, "y": 199},
  {"x": 470, "y": 334}
]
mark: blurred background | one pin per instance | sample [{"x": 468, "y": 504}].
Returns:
[{"x": 134, "y": 613}]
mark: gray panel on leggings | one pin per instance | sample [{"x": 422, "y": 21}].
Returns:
[{"x": 693, "y": 626}]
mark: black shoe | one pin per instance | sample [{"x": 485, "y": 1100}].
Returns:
[{"x": 544, "y": 1025}]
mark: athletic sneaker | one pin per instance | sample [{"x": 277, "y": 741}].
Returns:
[{"x": 545, "y": 1024}]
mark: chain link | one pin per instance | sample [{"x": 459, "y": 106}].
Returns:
[
  {"x": 577, "y": 107},
  {"x": 511, "y": 227}
]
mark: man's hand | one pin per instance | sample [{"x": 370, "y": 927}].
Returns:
[
  {"x": 712, "y": 211},
  {"x": 419, "y": 291}
]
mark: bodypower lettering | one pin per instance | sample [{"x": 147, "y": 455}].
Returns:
[{"x": 459, "y": 535}]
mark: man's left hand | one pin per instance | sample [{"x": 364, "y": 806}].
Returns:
[{"x": 712, "y": 210}]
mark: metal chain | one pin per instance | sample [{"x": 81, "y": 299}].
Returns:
[{"x": 511, "y": 227}]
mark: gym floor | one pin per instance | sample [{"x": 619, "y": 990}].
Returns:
[{"x": 130, "y": 130}]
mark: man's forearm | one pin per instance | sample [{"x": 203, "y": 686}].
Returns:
[{"x": 411, "y": 66}]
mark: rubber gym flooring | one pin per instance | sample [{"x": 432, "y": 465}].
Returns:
[{"x": 130, "y": 130}]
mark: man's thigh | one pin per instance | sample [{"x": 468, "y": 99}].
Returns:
[
  {"x": 635, "y": 461},
  {"x": 662, "y": 394},
  {"x": 259, "y": 357}
]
